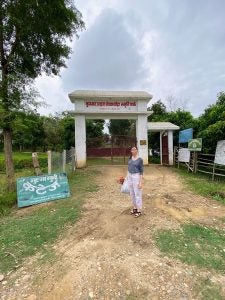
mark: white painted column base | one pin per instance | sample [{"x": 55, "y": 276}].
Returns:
[
  {"x": 161, "y": 147},
  {"x": 80, "y": 141},
  {"x": 142, "y": 137},
  {"x": 170, "y": 146}
]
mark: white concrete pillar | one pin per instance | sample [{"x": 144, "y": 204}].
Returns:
[
  {"x": 170, "y": 146},
  {"x": 142, "y": 137},
  {"x": 80, "y": 141},
  {"x": 160, "y": 141}
]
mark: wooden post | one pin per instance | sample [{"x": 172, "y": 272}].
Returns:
[
  {"x": 36, "y": 163},
  {"x": 73, "y": 158},
  {"x": 64, "y": 161},
  {"x": 196, "y": 162},
  {"x": 49, "y": 161},
  {"x": 213, "y": 175}
]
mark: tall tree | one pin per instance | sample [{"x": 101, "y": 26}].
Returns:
[
  {"x": 68, "y": 131},
  {"x": 94, "y": 128},
  {"x": 28, "y": 131},
  {"x": 53, "y": 132},
  {"x": 122, "y": 127},
  {"x": 158, "y": 113},
  {"x": 158, "y": 110},
  {"x": 182, "y": 118},
  {"x": 212, "y": 124},
  {"x": 32, "y": 41},
  {"x": 94, "y": 132}
]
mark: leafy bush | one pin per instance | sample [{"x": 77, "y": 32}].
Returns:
[{"x": 24, "y": 161}]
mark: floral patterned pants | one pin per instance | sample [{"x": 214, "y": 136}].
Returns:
[{"x": 135, "y": 192}]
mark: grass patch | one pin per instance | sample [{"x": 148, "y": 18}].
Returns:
[
  {"x": 194, "y": 245},
  {"x": 154, "y": 160},
  {"x": 24, "y": 155},
  {"x": 203, "y": 185},
  {"x": 23, "y": 160},
  {"x": 8, "y": 200},
  {"x": 205, "y": 289},
  {"x": 21, "y": 237}
]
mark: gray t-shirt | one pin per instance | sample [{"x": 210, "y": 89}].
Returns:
[{"x": 135, "y": 166}]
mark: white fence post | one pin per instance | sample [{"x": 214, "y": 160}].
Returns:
[{"x": 73, "y": 159}]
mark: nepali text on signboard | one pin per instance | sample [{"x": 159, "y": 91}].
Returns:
[
  {"x": 220, "y": 153},
  {"x": 37, "y": 189},
  {"x": 111, "y": 105}
]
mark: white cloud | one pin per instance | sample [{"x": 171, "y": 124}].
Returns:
[
  {"x": 106, "y": 57},
  {"x": 53, "y": 93},
  {"x": 164, "y": 47}
]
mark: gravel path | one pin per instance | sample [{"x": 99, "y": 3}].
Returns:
[{"x": 109, "y": 254}]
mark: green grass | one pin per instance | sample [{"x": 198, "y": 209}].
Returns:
[
  {"x": 154, "y": 160},
  {"x": 23, "y": 160},
  {"x": 8, "y": 200},
  {"x": 194, "y": 245},
  {"x": 23, "y": 167},
  {"x": 21, "y": 237},
  {"x": 24, "y": 155},
  {"x": 203, "y": 185},
  {"x": 205, "y": 289}
]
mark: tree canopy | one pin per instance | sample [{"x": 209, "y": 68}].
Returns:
[
  {"x": 211, "y": 124},
  {"x": 122, "y": 127},
  {"x": 33, "y": 40}
]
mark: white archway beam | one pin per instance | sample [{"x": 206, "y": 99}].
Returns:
[
  {"x": 110, "y": 105},
  {"x": 93, "y": 95},
  {"x": 120, "y": 116}
]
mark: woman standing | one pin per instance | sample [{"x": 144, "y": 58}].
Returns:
[{"x": 135, "y": 174}]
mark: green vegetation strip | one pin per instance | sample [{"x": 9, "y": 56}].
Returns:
[
  {"x": 195, "y": 245},
  {"x": 203, "y": 185},
  {"x": 23, "y": 160},
  {"x": 205, "y": 289},
  {"x": 21, "y": 237},
  {"x": 8, "y": 200}
]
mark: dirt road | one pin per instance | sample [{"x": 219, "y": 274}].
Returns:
[{"x": 109, "y": 254}]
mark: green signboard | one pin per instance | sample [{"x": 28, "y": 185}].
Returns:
[
  {"x": 37, "y": 189},
  {"x": 195, "y": 144}
]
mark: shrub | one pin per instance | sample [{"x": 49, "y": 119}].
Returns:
[{"x": 24, "y": 163}]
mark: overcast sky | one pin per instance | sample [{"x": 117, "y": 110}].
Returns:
[{"x": 173, "y": 49}]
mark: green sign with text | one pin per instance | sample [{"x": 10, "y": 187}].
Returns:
[
  {"x": 38, "y": 189},
  {"x": 195, "y": 144}
]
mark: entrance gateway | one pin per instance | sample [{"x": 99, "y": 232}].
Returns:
[{"x": 110, "y": 105}]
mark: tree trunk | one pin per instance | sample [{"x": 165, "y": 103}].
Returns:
[{"x": 9, "y": 160}]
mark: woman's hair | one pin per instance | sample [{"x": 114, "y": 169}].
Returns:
[{"x": 134, "y": 146}]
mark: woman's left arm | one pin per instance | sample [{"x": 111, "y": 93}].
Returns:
[{"x": 141, "y": 173}]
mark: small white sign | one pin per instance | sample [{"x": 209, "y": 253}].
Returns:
[
  {"x": 220, "y": 153},
  {"x": 184, "y": 155}
]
